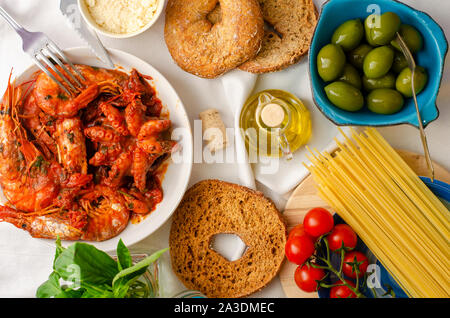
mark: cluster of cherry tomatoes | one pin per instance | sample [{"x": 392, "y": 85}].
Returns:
[{"x": 306, "y": 239}]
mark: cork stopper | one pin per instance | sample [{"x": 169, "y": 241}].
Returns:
[{"x": 272, "y": 115}]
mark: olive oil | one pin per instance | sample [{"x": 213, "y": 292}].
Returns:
[{"x": 274, "y": 123}]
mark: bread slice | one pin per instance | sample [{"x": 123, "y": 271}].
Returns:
[
  {"x": 291, "y": 27},
  {"x": 295, "y": 21},
  {"x": 212, "y": 207}
]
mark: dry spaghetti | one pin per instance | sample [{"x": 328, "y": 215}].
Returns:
[{"x": 400, "y": 220}]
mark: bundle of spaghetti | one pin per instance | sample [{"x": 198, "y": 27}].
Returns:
[{"x": 396, "y": 215}]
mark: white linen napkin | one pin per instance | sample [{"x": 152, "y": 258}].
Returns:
[{"x": 238, "y": 85}]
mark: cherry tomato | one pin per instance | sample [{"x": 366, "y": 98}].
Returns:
[
  {"x": 342, "y": 233},
  {"x": 342, "y": 291},
  {"x": 299, "y": 248},
  {"x": 318, "y": 221},
  {"x": 306, "y": 277},
  {"x": 350, "y": 258},
  {"x": 298, "y": 230}
]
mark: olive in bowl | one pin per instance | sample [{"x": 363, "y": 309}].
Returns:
[
  {"x": 430, "y": 56},
  {"x": 384, "y": 91}
]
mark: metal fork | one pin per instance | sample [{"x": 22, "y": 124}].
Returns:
[
  {"x": 412, "y": 65},
  {"x": 43, "y": 50}
]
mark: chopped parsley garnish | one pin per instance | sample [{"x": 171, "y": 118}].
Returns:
[
  {"x": 38, "y": 162},
  {"x": 70, "y": 136},
  {"x": 62, "y": 97}
]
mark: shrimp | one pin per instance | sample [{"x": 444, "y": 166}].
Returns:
[
  {"x": 49, "y": 226},
  {"x": 71, "y": 144},
  {"x": 103, "y": 215},
  {"x": 28, "y": 180},
  {"x": 107, "y": 213},
  {"x": 54, "y": 101},
  {"x": 40, "y": 125}
]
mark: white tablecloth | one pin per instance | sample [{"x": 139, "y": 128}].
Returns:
[{"x": 25, "y": 262}]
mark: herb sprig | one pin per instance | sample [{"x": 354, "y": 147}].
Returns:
[{"x": 83, "y": 271}]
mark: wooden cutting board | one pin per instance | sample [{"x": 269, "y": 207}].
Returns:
[{"x": 305, "y": 198}]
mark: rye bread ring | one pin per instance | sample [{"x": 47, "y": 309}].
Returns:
[
  {"x": 208, "y": 50},
  {"x": 212, "y": 207}
]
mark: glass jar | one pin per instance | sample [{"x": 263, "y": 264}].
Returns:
[
  {"x": 147, "y": 285},
  {"x": 274, "y": 123}
]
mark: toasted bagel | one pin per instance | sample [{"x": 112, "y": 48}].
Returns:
[{"x": 209, "y": 50}]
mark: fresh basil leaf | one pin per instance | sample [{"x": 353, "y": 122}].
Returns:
[
  {"x": 50, "y": 288},
  {"x": 139, "y": 268},
  {"x": 97, "y": 291},
  {"x": 71, "y": 293},
  {"x": 82, "y": 263},
  {"x": 121, "y": 285},
  {"x": 121, "y": 289},
  {"x": 123, "y": 256},
  {"x": 59, "y": 250}
]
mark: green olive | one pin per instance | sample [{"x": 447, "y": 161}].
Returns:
[
  {"x": 386, "y": 81},
  {"x": 385, "y": 101},
  {"x": 348, "y": 35},
  {"x": 356, "y": 56},
  {"x": 400, "y": 62},
  {"x": 378, "y": 62},
  {"x": 345, "y": 96},
  {"x": 403, "y": 82},
  {"x": 351, "y": 76},
  {"x": 411, "y": 36},
  {"x": 330, "y": 62},
  {"x": 380, "y": 30}
]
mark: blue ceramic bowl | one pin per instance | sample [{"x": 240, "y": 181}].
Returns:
[
  {"x": 431, "y": 57},
  {"x": 441, "y": 190}
]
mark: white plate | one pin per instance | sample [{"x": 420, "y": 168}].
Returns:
[{"x": 178, "y": 173}]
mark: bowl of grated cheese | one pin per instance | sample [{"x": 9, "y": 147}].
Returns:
[{"x": 121, "y": 18}]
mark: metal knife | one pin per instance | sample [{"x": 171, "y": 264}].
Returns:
[{"x": 71, "y": 11}]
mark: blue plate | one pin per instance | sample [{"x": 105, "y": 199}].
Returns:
[
  {"x": 431, "y": 57},
  {"x": 440, "y": 189}
]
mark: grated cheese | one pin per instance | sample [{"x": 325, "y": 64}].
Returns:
[{"x": 122, "y": 16}]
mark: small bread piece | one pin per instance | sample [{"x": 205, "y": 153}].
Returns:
[
  {"x": 213, "y": 130},
  {"x": 208, "y": 50},
  {"x": 212, "y": 207}
]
